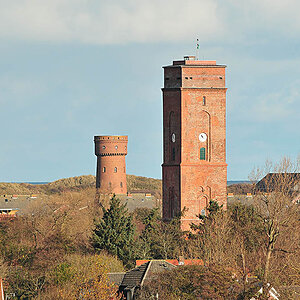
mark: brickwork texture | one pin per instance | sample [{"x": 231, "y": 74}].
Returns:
[
  {"x": 111, "y": 165},
  {"x": 194, "y": 167}
]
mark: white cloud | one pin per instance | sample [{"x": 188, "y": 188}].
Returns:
[
  {"x": 262, "y": 18},
  {"x": 108, "y": 22},
  {"x": 119, "y": 21}
]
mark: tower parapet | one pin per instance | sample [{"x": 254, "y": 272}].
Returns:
[{"x": 111, "y": 166}]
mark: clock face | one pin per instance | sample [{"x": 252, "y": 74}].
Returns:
[
  {"x": 202, "y": 137},
  {"x": 173, "y": 138}
]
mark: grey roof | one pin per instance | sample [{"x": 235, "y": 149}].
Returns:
[
  {"x": 138, "y": 201},
  {"x": 278, "y": 180},
  {"x": 19, "y": 202},
  {"x": 157, "y": 266},
  {"x": 135, "y": 276}
]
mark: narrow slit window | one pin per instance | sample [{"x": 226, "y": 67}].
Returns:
[
  {"x": 104, "y": 169},
  {"x": 115, "y": 169},
  {"x": 173, "y": 153},
  {"x": 204, "y": 100},
  {"x": 121, "y": 184},
  {"x": 202, "y": 153}
]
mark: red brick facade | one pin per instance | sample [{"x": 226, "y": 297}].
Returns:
[
  {"x": 111, "y": 166},
  {"x": 194, "y": 167}
]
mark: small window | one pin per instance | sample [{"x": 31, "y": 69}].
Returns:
[
  {"x": 116, "y": 147},
  {"x": 186, "y": 78},
  {"x": 167, "y": 78},
  {"x": 203, "y": 212},
  {"x": 121, "y": 184},
  {"x": 115, "y": 169},
  {"x": 202, "y": 153},
  {"x": 220, "y": 77},
  {"x": 109, "y": 184},
  {"x": 103, "y": 147},
  {"x": 191, "y": 77},
  {"x": 173, "y": 154},
  {"x": 104, "y": 169},
  {"x": 178, "y": 78},
  {"x": 204, "y": 100}
]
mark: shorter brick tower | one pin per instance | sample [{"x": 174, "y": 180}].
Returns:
[{"x": 111, "y": 166}]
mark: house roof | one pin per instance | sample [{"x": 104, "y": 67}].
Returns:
[
  {"x": 138, "y": 275},
  {"x": 273, "y": 181},
  {"x": 135, "y": 276}
]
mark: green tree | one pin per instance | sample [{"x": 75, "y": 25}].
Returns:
[
  {"x": 160, "y": 240},
  {"x": 114, "y": 232}
]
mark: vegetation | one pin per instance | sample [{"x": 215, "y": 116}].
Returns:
[
  {"x": 47, "y": 254},
  {"x": 144, "y": 183},
  {"x": 114, "y": 231},
  {"x": 64, "y": 246},
  {"x": 191, "y": 282},
  {"x": 79, "y": 183},
  {"x": 240, "y": 188}
]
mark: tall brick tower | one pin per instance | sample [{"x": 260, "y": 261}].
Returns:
[
  {"x": 111, "y": 166},
  {"x": 194, "y": 138}
]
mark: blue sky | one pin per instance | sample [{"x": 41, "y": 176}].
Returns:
[{"x": 72, "y": 69}]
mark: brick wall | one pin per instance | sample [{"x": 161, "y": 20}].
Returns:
[
  {"x": 111, "y": 166},
  {"x": 189, "y": 181}
]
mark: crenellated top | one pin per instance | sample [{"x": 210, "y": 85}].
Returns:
[{"x": 110, "y": 145}]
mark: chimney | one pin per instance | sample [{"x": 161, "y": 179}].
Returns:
[{"x": 180, "y": 261}]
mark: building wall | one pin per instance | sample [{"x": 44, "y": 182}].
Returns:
[
  {"x": 111, "y": 165},
  {"x": 195, "y": 181}
]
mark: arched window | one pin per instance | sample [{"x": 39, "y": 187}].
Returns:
[
  {"x": 202, "y": 153},
  {"x": 203, "y": 212},
  {"x": 115, "y": 169}
]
